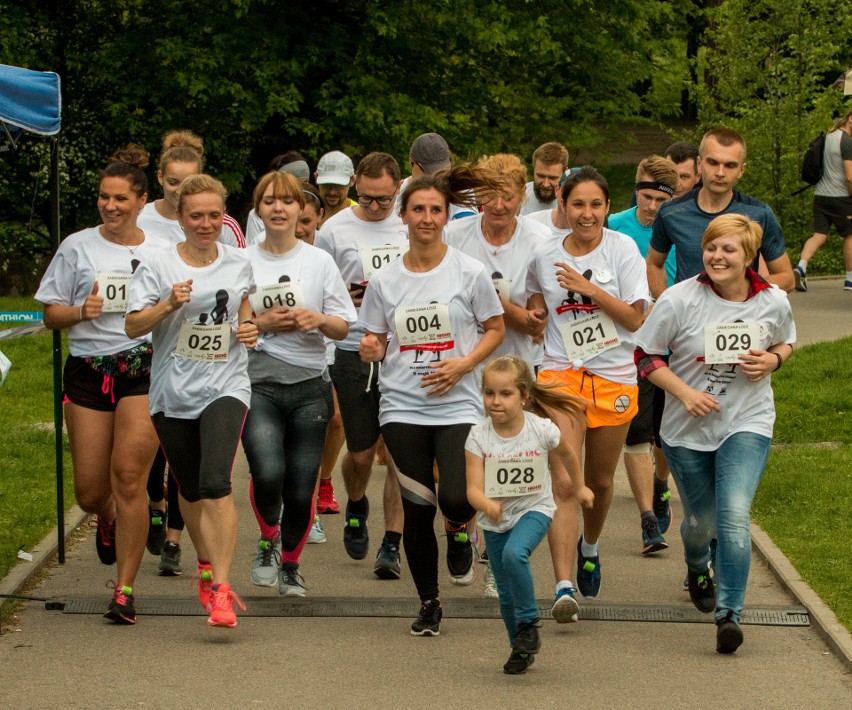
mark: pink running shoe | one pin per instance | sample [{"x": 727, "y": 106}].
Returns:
[
  {"x": 222, "y": 608},
  {"x": 204, "y": 575}
]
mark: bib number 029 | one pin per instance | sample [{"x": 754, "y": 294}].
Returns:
[{"x": 725, "y": 342}]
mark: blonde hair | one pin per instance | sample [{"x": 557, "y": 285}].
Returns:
[
  {"x": 181, "y": 147},
  {"x": 508, "y": 167},
  {"x": 840, "y": 122},
  {"x": 659, "y": 170},
  {"x": 283, "y": 185},
  {"x": 195, "y": 185},
  {"x": 749, "y": 231},
  {"x": 539, "y": 398}
]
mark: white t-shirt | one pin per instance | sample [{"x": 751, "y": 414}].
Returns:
[
  {"x": 616, "y": 267},
  {"x": 352, "y": 241},
  {"x": 545, "y": 217},
  {"x": 182, "y": 387},
  {"x": 71, "y": 276},
  {"x": 461, "y": 283},
  {"x": 531, "y": 204},
  {"x": 320, "y": 288},
  {"x": 677, "y": 322},
  {"x": 150, "y": 220},
  {"x": 537, "y": 438},
  {"x": 507, "y": 265},
  {"x": 255, "y": 231}
]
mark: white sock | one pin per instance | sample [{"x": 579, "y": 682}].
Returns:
[
  {"x": 849, "y": 275},
  {"x": 803, "y": 264},
  {"x": 563, "y": 584},
  {"x": 589, "y": 550}
]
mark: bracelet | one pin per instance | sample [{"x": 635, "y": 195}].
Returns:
[
  {"x": 780, "y": 362},
  {"x": 250, "y": 322}
]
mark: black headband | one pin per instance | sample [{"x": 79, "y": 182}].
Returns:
[{"x": 648, "y": 185}]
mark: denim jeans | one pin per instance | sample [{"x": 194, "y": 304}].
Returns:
[
  {"x": 717, "y": 489},
  {"x": 509, "y": 556},
  {"x": 283, "y": 441}
]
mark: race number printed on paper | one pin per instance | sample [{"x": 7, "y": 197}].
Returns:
[
  {"x": 424, "y": 327},
  {"x": 205, "y": 343},
  {"x": 113, "y": 288},
  {"x": 509, "y": 477},
  {"x": 589, "y": 336},
  {"x": 374, "y": 259},
  {"x": 287, "y": 295},
  {"x": 725, "y": 342}
]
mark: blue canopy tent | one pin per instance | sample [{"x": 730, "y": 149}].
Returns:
[{"x": 31, "y": 102}]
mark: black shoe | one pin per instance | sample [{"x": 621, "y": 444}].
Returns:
[
  {"x": 121, "y": 607},
  {"x": 663, "y": 509},
  {"x": 729, "y": 635},
  {"x": 428, "y": 621},
  {"x": 356, "y": 540},
  {"x": 702, "y": 591},
  {"x": 518, "y": 663},
  {"x": 170, "y": 560},
  {"x": 527, "y": 639},
  {"x": 156, "y": 531},
  {"x": 105, "y": 541},
  {"x": 460, "y": 556},
  {"x": 652, "y": 539}
]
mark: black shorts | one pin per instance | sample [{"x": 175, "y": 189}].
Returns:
[
  {"x": 86, "y": 387},
  {"x": 645, "y": 426},
  {"x": 832, "y": 210},
  {"x": 359, "y": 409}
]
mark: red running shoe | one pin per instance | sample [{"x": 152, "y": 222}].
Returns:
[
  {"x": 204, "y": 575},
  {"x": 222, "y": 608},
  {"x": 325, "y": 499}
]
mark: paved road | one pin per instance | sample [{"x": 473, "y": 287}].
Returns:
[{"x": 50, "y": 659}]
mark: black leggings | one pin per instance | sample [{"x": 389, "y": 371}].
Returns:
[
  {"x": 414, "y": 449},
  {"x": 201, "y": 451},
  {"x": 155, "y": 489}
]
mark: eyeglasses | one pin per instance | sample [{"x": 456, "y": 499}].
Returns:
[{"x": 367, "y": 200}]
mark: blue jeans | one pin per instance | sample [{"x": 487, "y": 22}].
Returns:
[
  {"x": 717, "y": 489},
  {"x": 283, "y": 441},
  {"x": 509, "y": 556}
]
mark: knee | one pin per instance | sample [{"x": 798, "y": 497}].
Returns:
[
  {"x": 514, "y": 556},
  {"x": 129, "y": 481},
  {"x": 335, "y": 425},
  {"x": 362, "y": 461},
  {"x": 91, "y": 501},
  {"x": 455, "y": 508}
]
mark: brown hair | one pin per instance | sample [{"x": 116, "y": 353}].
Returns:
[
  {"x": 551, "y": 154},
  {"x": 198, "y": 183},
  {"x": 463, "y": 184},
  {"x": 749, "y": 231},
  {"x": 283, "y": 185},
  {"x": 840, "y": 122},
  {"x": 659, "y": 170},
  {"x": 129, "y": 163},
  {"x": 723, "y": 136},
  {"x": 181, "y": 147},
  {"x": 374, "y": 165},
  {"x": 578, "y": 175},
  {"x": 509, "y": 167}
]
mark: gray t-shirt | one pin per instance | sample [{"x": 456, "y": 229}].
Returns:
[{"x": 838, "y": 147}]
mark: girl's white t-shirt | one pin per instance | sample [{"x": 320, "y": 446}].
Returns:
[
  {"x": 71, "y": 276},
  {"x": 463, "y": 285},
  {"x": 677, "y": 322},
  {"x": 319, "y": 284},
  {"x": 180, "y": 387},
  {"x": 538, "y": 437},
  {"x": 617, "y": 267}
]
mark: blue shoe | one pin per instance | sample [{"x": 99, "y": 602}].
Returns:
[
  {"x": 387, "y": 561},
  {"x": 565, "y": 609},
  {"x": 652, "y": 539},
  {"x": 588, "y": 572},
  {"x": 801, "y": 278},
  {"x": 847, "y": 285},
  {"x": 663, "y": 510},
  {"x": 356, "y": 541}
]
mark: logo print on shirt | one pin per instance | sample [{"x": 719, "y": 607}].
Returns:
[
  {"x": 219, "y": 314},
  {"x": 572, "y": 304}
]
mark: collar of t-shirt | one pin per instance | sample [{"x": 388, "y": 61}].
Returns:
[{"x": 756, "y": 283}]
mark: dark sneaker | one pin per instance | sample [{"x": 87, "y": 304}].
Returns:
[
  {"x": 847, "y": 285},
  {"x": 663, "y": 510},
  {"x": 156, "y": 531},
  {"x": 291, "y": 583},
  {"x": 428, "y": 622},
  {"x": 565, "y": 609},
  {"x": 170, "y": 560},
  {"x": 387, "y": 561},
  {"x": 105, "y": 541},
  {"x": 801, "y": 278},
  {"x": 652, "y": 540},
  {"x": 121, "y": 609},
  {"x": 702, "y": 591},
  {"x": 518, "y": 663},
  {"x": 527, "y": 639},
  {"x": 729, "y": 635},
  {"x": 356, "y": 540},
  {"x": 460, "y": 556},
  {"x": 588, "y": 572}
]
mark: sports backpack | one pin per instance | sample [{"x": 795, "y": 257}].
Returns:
[{"x": 812, "y": 161}]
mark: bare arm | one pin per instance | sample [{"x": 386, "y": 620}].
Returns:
[
  {"x": 475, "y": 474},
  {"x": 527, "y": 321},
  {"x": 572, "y": 465},
  {"x": 847, "y": 172},
  {"x": 57, "y": 316},
  {"x": 655, "y": 265},
  {"x": 628, "y": 315},
  {"x": 697, "y": 403},
  {"x": 139, "y": 323},
  {"x": 781, "y": 273},
  {"x": 373, "y": 346}
]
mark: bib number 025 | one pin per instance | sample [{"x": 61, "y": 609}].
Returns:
[{"x": 204, "y": 343}]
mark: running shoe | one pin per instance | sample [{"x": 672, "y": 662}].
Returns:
[
  {"x": 170, "y": 560},
  {"x": 483, "y": 556},
  {"x": 652, "y": 539},
  {"x": 105, "y": 541},
  {"x": 222, "y": 600},
  {"x": 588, "y": 572},
  {"x": 317, "y": 535},
  {"x": 565, "y": 609},
  {"x": 156, "y": 531},
  {"x": 326, "y": 502},
  {"x": 204, "y": 575},
  {"x": 291, "y": 583},
  {"x": 356, "y": 540},
  {"x": 527, "y": 639},
  {"x": 490, "y": 591},
  {"x": 518, "y": 663},
  {"x": 663, "y": 510},
  {"x": 428, "y": 622},
  {"x": 729, "y": 635},
  {"x": 801, "y": 278},
  {"x": 264, "y": 569},
  {"x": 702, "y": 591},
  {"x": 121, "y": 609},
  {"x": 460, "y": 554},
  {"x": 847, "y": 285},
  {"x": 387, "y": 561}
]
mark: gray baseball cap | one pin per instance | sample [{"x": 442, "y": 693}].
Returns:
[
  {"x": 431, "y": 152},
  {"x": 335, "y": 168}
]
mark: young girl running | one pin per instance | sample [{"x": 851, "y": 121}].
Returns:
[{"x": 508, "y": 483}]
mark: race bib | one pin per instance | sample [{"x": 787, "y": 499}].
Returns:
[
  {"x": 510, "y": 477},
  {"x": 724, "y": 342},
  {"x": 501, "y": 285},
  {"x": 287, "y": 295},
  {"x": 113, "y": 288},
  {"x": 374, "y": 259},
  {"x": 590, "y": 336},
  {"x": 424, "y": 327},
  {"x": 205, "y": 343}
]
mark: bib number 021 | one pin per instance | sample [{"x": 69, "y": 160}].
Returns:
[
  {"x": 589, "y": 336},
  {"x": 725, "y": 342}
]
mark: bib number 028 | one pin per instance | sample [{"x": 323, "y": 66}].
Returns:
[{"x": 512, "y": 477}]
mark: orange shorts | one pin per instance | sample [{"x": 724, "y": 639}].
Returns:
[{"x": 607, "y": 403}]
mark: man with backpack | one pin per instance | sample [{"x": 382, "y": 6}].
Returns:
[{"x": 832, "y": 200}]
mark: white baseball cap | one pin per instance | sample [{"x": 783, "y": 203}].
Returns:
[{"x": 335, "y": 168}]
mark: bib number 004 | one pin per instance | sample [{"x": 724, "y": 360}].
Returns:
[
  {"x": 204, "y": 343},
  {"x": 424, "y": 327}
]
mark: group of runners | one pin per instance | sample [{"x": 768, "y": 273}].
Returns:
[{"x": 506, "y": 339}]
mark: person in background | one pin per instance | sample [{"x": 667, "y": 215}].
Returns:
[
  {"x": 684, "y": 157},
  {"x": 335, "y": 176},
  {"x": 292, "y": 162},
  {"x": 550, "y": 161}
]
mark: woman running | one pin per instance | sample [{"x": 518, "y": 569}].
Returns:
[
  {"x": 194, "y": 297},
  {"x": 107, "y": 373}
]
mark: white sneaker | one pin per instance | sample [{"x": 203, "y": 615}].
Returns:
[
  {"x": 264, "y": 568},
  {"x": 490, "y": 591},
  {"x": 317, "y": 534},
  {"x": 291, "y": 583}
]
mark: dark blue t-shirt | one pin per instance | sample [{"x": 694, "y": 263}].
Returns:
[{"x": 681, "y": 223}]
